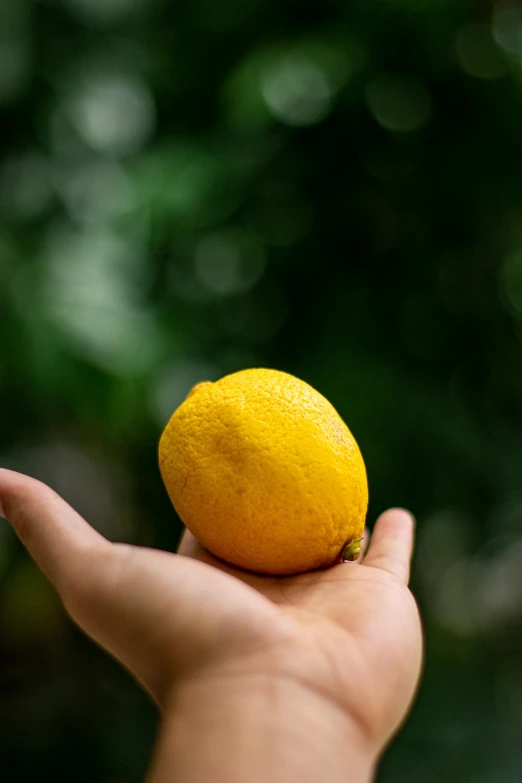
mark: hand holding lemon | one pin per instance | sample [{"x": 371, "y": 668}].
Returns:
[{"x": 295, "y": 678}]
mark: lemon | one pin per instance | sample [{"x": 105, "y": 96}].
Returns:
[{"x": 263, "y": 471}]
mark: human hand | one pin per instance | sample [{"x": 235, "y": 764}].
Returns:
[{"x": 346, "y": 640}]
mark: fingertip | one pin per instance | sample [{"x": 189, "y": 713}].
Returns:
[
  {"x": 55, "y": 535},
  {"x": 401, "y": 510},
  {"x": 392, "y": 542},
  {"x": 397, "y": 517},
  {"x": 407, "y": 513},
  {"x": 396, "y": 523}
]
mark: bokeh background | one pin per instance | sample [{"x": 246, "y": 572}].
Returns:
[{"x": 330, "y": 188}]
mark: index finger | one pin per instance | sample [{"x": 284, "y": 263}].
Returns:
[
  {"x": 391, "y": 545},
  {"x": 55, "y": 535}
]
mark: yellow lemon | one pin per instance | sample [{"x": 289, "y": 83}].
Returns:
[{"x": 264, "y": 472}]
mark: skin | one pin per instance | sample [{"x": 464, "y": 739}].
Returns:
[{"x": 258, "y": 678}]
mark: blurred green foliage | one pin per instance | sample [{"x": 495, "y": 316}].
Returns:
[{"x": 330, "y": 188}]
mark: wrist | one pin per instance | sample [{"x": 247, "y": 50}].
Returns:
[{"x": 258, "y": 728}]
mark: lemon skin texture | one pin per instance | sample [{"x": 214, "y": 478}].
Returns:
[{"x": 264, "y": 472}]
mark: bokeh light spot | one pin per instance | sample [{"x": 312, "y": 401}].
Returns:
[
  {"x": 507, "y": 28},
  {"x": 114, "y": 114},
  {"x": 93, "y": 293},
  {"x": 95, "y": 191},
  {"x": 399, "y": 102},
  {"x": 453, "y": 603},
  {"x": 498, "y": 597},
  {"x": 511, "y": 283},
  {"x": 228, "y": 262},
  {"x": 478, "y": 53},
  {"x": 297, "y": 91}
]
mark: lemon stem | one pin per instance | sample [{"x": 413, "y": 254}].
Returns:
[{"x": 352, "y": 550}]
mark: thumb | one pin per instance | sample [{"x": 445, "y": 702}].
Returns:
[
  {"x": 161, "y": 615},
  {"x": 58, "y": 539},
  {"x": 114, "y": 592}
]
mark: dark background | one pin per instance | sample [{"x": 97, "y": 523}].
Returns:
[{"x": 330, "y": 188}]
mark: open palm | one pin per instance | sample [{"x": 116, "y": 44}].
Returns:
[
  {"x": 358, "y": 629},
  {"x": 350, "y": 633}
]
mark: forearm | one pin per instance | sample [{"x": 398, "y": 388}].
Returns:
[{"x": 258, "y": 730}]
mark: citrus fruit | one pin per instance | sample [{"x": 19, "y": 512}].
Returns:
[{"x": 264, "y": 472}]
